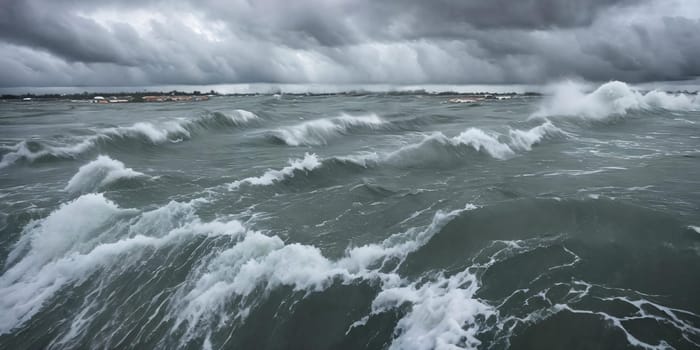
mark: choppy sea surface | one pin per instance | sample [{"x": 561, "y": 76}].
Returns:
[{"x": 353, "y": 222}]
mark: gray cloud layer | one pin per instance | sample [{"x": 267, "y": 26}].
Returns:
[{"x": 81, "y": 42}]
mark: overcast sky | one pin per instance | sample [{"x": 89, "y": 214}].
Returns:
[{"x": 158, "y": 42}]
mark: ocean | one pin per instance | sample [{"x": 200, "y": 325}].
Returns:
[{"x": 365, "y": 221}]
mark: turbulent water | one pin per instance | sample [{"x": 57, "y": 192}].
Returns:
[{"x": 350, "y": 222}]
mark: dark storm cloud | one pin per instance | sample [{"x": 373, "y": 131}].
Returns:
[
  {"x": 66, "y": 35},
  {"x": 79, "y": 42}
]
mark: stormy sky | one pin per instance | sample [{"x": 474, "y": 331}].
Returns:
[{"x": 151, "y": 42}]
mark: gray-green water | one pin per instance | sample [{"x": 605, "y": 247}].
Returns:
[{"x": 351, "y": 222}]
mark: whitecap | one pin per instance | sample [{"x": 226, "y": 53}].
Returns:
[
  {"x": 99, "y": 173},
  {"x": 308, "y": 163},
  {"x": 610, "y": 99},
  {"x": 320, "y": 131},
  {"x": 258, "y": 262},
  {"x": 82, "y": 236}
]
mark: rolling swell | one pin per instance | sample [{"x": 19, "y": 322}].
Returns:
[
  {"x": 213, "y": 120},
  {"x": 311, "y": 167},
  {"x": 415, "y": 123},
  {"x": 437, "y": 147},
  {"x": 433, "y": 148},
  {"x": 143, "y": 132}
]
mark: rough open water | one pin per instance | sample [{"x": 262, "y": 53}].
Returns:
[{"x": 352, "y": 222}]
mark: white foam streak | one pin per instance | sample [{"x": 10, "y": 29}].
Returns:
[
  {"x": 99, "y": 173},
  {"x": 308, "y": 163},
  {"x": 610, "y": 99}
]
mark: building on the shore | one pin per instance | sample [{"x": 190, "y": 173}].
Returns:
[
  {"x": 174, "y": 98},
  {"x": 476, "y": 98},
  {"x": 153, "y": 98},
  {"x": 149, "y": 98}
]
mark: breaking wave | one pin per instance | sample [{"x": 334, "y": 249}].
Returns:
[
  {"x": 444, "y": 308},
  {"x": 99, "y": 173},
  {"x": 498, "y": 146},
  {"x": 235, "y": 118},
  {"x": 82, "y": 236},
  {"x": 320, "y": 131},
  {"x": 432, "y": 307},
  {"x": 614, "y": 98},
  {"x": 147, "y": 132},
  {"x": 433, "y": 147},
  {"x": 259, "y": 263},
  {"x": 308, "y": 163},
  {"x": 31, "y": 151}
]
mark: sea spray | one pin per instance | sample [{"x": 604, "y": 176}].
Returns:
[
  {"x": 614, "y": 98},
  {"x": 52, "y": 253}
]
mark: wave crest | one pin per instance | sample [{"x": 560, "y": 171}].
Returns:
[
  {"x": 147, "y": 132},
  {"x": 320, "y": 131},
  {"x": 433, "y": 147},
  {"x": 82, "y": 236},
  {"x": 609, "y": 99},
  {"x": 213, "y": 120},
  {"x": 99, "y": 173},
  {"x": 308, "y": 163},
  {"x": 495, "y": 145},
  {"x": 257, "y": 262}
]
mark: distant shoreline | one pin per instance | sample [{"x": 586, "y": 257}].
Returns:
[{"x": 181, "y": 96}]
